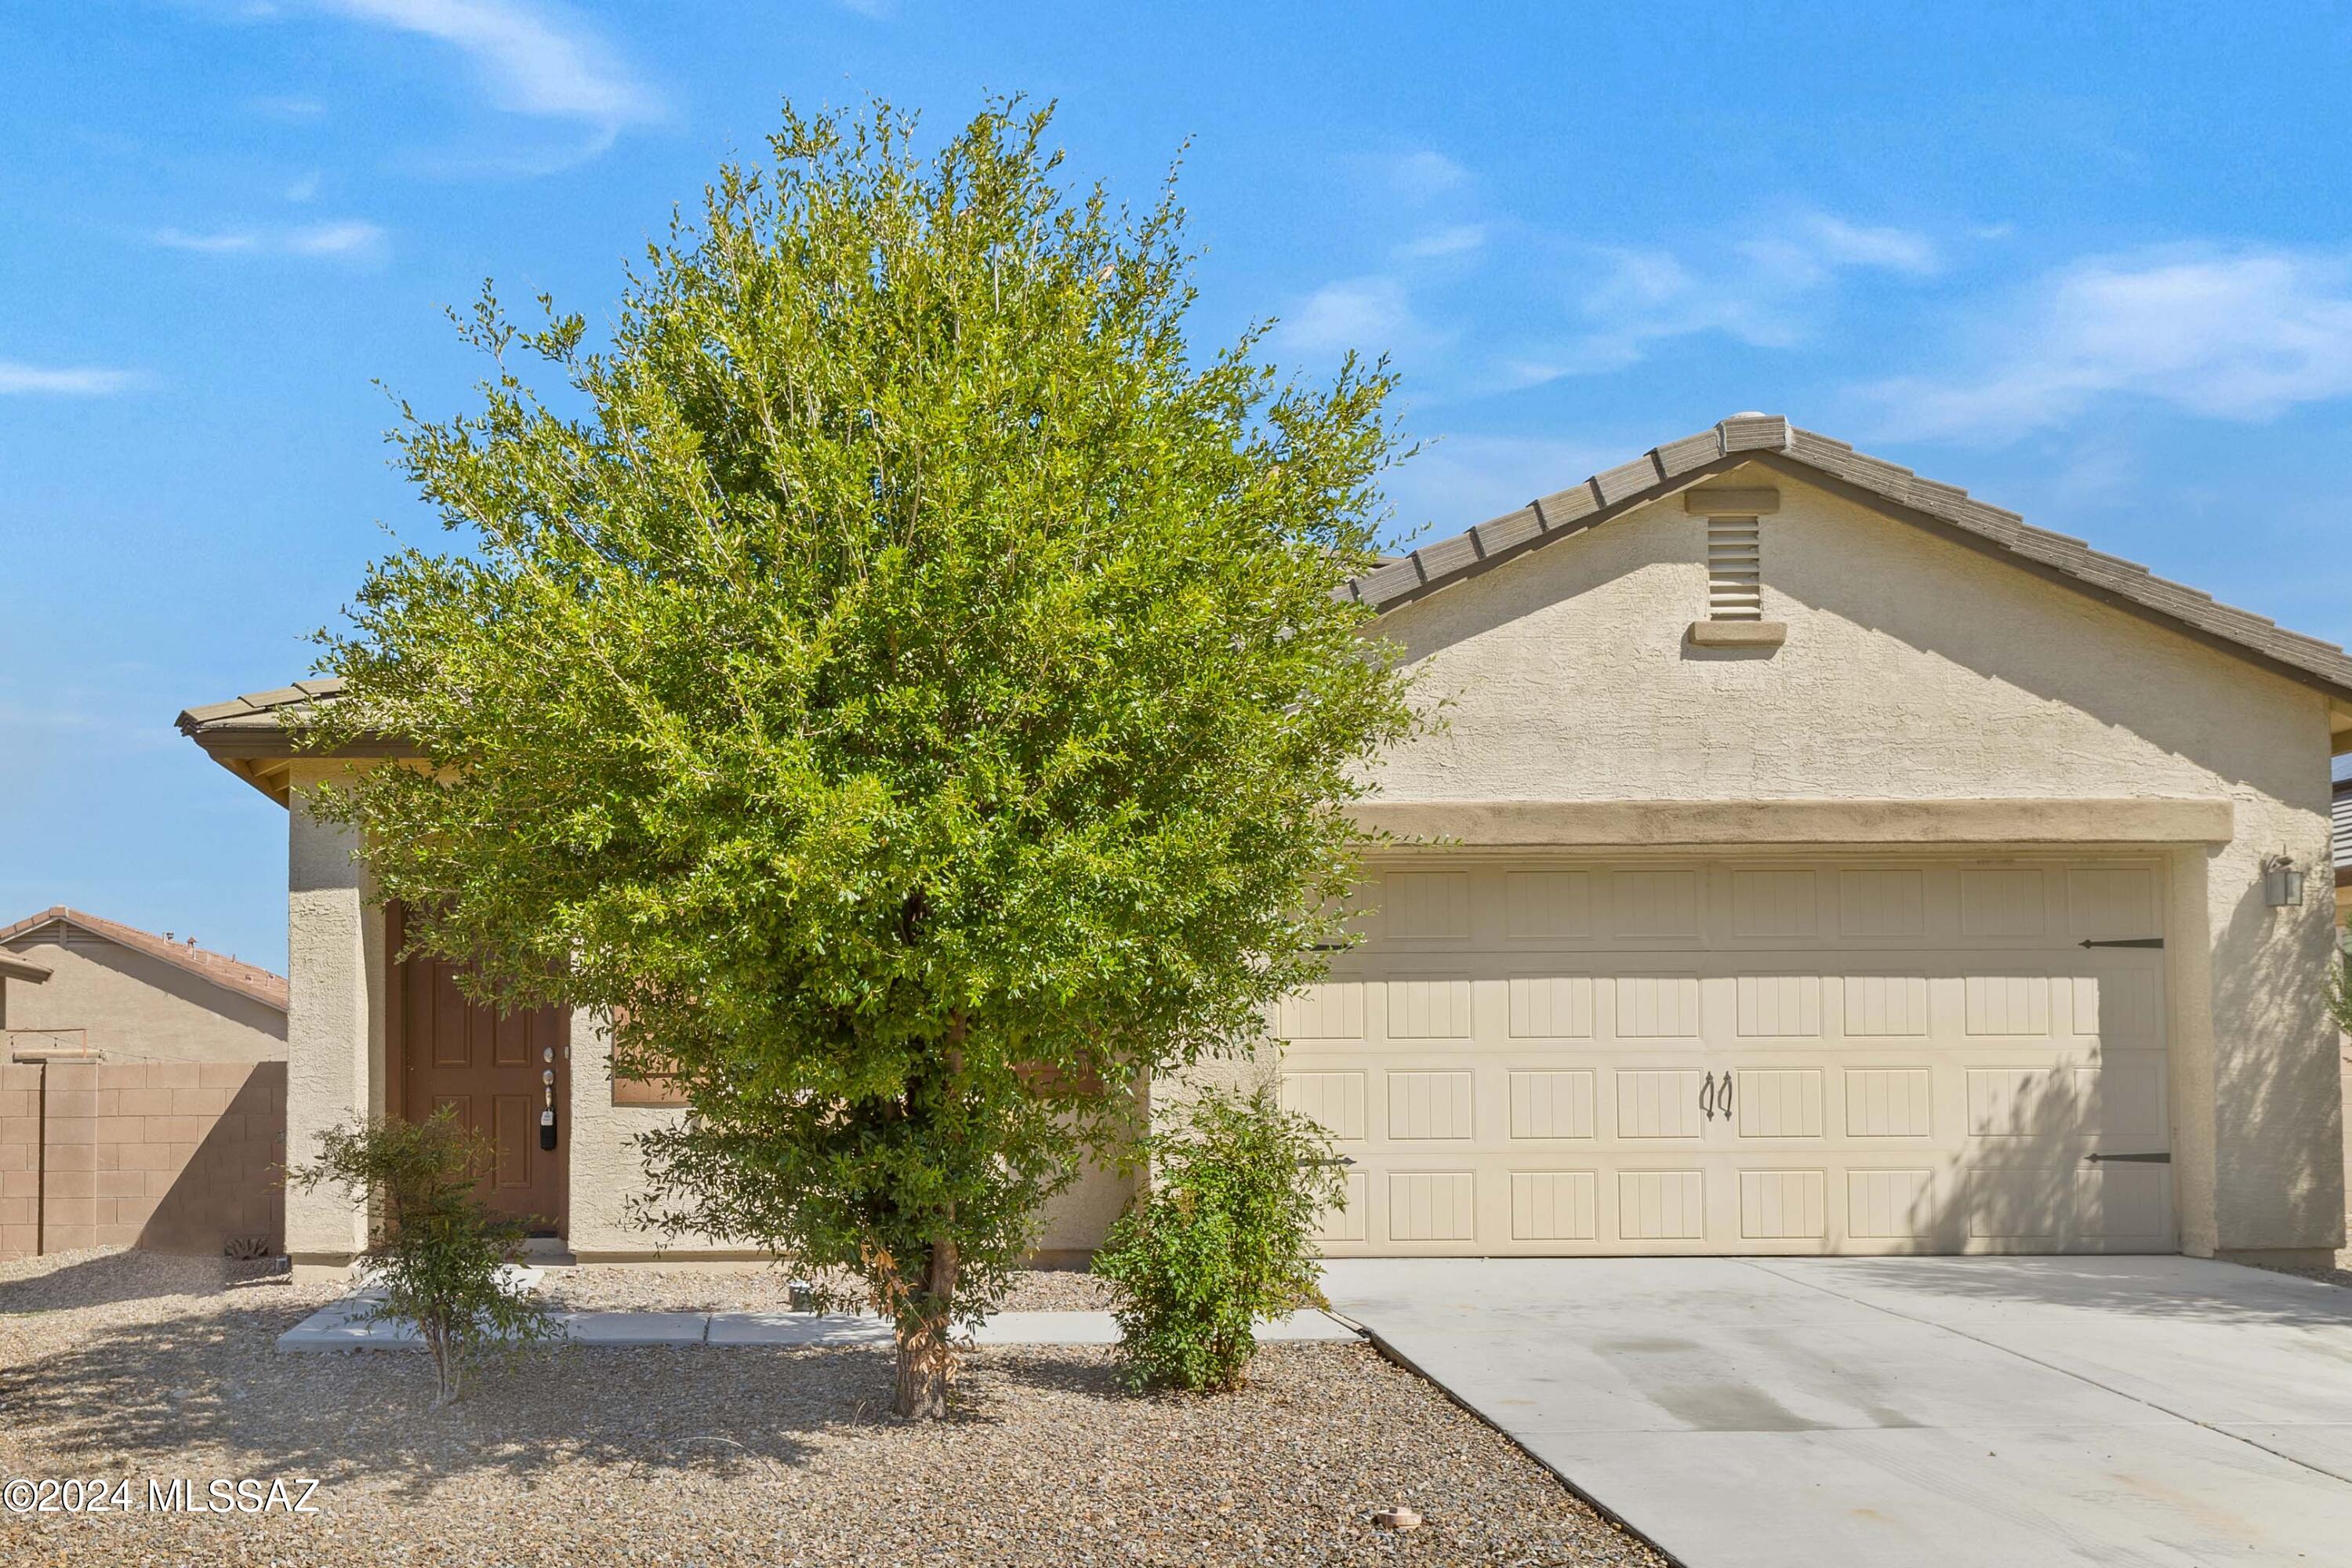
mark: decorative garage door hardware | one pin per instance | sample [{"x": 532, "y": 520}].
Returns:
[
  {"x": 2126, "y": 941},
  {"x": 1712, "y": 1100},
  {"x": 2127, "y": 1159}
]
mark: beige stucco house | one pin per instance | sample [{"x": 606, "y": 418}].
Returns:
[
  {"x": 133, "y": 995},
  {"x": 1813, "y": 859}
]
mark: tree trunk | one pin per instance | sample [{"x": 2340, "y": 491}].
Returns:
[{"x": 926, "y": 1360}]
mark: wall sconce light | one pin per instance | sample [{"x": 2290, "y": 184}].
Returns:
[{"x": 2282, "y": 881}]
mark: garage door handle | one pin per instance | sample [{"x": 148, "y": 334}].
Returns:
[
  {"x": 1723, "y": 1097},
  {"x": 2127, "y": 1159},
  {"x": 1707, "y": 1098}
]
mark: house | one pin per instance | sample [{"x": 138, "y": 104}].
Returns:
[
  {"x": 143, "y": 1091},
  {"x": 137, "y": 996},
  {"x": 1815, "y": 860}
]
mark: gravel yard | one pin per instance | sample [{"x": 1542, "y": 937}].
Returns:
[
  {"x": 120, "y": 1365},
  {"x": 652, "y": 1287}
]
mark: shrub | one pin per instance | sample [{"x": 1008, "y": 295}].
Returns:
[
  {"x": 434, "y": 1247},
  {"x": 1223, "y": 1236}
]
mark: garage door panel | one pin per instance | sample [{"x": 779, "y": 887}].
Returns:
[
  {"x": 1656, "y": 1103},
  {"x": 1430, "y": 1106},
  {"x": 1549, "y": 1006},
  {"x": 1427, "y": 1007},
  {"x": 1549, "y": 906},
  {"x": 1551, "y": 1103},
  {"x": 1783, "y": 1205},
  {"x": 1656, "y": 1007},
  {"x": 1881, "y": 905},
  {"x": 1431, "y": 1206},
  {"x": 1555, "y": 1205},
  {"x": 1333, "y": 1099},
  {"x": 1885, "y": 1006},
  {"x": 1884, "y": 1102},
  {"x": 1891, "y": 1204},
  {"x": 1778, "y": 1102},
  {"x": 1771, "y": 1005},
  {"x": 1778, "y": 1057}
]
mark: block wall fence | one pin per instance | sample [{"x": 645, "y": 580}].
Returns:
[{"x": 171, "y": 1156}]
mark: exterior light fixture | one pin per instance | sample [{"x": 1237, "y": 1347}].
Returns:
[{"x": 2282, "y": 881}]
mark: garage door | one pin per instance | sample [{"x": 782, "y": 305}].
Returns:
[{"x": 1862, "y": 1055}]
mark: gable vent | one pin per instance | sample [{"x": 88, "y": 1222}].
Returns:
[{"x": 1735, "y": 569}]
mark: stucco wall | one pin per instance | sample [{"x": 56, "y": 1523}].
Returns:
[
  {"x": 137, "y": 1009},
  {"x": 1917, "y": 667},
  {"x": 334, "y": 1025},
  {"x": 608, "y": 1175}
]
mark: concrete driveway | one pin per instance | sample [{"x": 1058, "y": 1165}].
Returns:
[{"x": 1925, "y": 1412}]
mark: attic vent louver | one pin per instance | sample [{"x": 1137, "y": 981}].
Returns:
[{"x": 1735, "y": 569}]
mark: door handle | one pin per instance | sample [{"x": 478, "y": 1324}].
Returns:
[
  {"x": 1723, "y": 1100},
  {"x": 1707, "y": 1098}
]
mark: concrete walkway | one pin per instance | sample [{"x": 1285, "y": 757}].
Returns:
[
  {"x": 341, "y": 1326},
  {"x": 1822, "y": 1413}
]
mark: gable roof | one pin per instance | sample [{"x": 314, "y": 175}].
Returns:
[
  {"x": 1768, "y": 441},
  {"x": 230, "y": 974},
  {"x": 249, "y": 735}
]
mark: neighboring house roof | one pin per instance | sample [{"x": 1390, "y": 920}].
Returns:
[
  {"x": 230, "y": 974},
  {"x": 14, "y": 968},
  {"x": 250, "y": 734}
]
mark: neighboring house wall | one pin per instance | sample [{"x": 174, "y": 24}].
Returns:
[
  {"x": 1918, "y": 669},
  {"x": 138, "y": 1009}
]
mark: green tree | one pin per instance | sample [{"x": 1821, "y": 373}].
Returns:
[
  {"x": 897, "y": 682},
  {"x": 436, "y": 1250}
]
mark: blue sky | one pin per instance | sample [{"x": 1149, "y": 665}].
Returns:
[{"x": 2090, "y": 262}]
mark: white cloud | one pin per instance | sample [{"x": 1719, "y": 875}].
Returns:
[
  {"x": 1457, "y": 239},
  {"x": 304, "y": 189},
  {"x": 534, "y": 59},
  {"x": 2231, "y": 335},
  {"x": 1767, "y": 292},
  {"x": 1374, "y": 315},
  {"x": 349, "y": 239},
  {"x": 1425, "y": 174},
  {"x": 19, "y": 379}
]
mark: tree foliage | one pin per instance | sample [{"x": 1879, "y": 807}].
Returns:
[{"x": 897, "y": 681}]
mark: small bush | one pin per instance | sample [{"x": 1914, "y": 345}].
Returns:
[
  {"x": 1223, "y": 1236},
  {"x": 434, "y": 1247}
]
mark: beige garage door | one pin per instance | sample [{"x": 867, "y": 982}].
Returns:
[{"x": 1833, "y": 1054}]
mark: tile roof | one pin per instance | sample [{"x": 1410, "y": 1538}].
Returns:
[
  {"x": 232, "y": 973},
  {"x": 1772, "y": 442},
  {"x": 257, "y": 713}
]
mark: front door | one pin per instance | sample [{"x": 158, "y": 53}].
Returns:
[{"x": 499, "y": 1070}]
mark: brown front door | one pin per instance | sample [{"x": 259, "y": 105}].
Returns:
[{"x": 492, "y": 1068}]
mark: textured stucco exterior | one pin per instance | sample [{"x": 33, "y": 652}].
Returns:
[
  {"x": 608, "y": 1177},
  {"x": 134, "y": 1007},
  {"x": 335, "y": 1014},
  {"x": 1918, "y": 669}
]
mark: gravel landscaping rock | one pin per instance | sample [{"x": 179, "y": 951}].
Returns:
[
  {"x": 654, "y": 1288},
  {"x": 126, "y": 1365}
]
